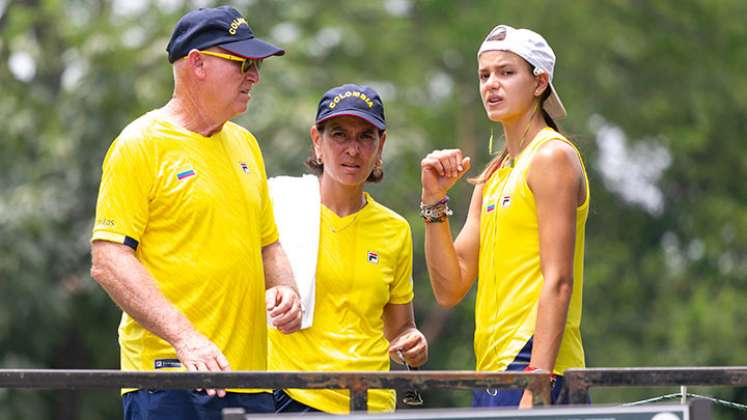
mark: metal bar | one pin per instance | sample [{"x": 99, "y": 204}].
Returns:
[
  {"x": 575, "y": 389},
  {"x": 358, "y": 399},
  {"x": 357, "y": 382},
  {"x": 697, "y": 376},
  {"x": 541, "y": 392},
  {"x": 578, "y": 381},
  {"x": 78, "y": 379}
]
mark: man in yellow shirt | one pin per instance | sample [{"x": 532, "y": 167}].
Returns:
[{"x": 185, "y": 241}]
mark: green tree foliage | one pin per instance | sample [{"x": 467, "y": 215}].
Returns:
[{"x": 664, "y": 275}]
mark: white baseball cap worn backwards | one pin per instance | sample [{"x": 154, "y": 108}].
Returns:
[{"x": 530, "y": 46}]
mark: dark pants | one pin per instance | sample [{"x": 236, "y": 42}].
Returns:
[
  {"x": 285, "y": 404},
  {"x": 179, "y": 404},
  {"x": 511, "y": 397}
]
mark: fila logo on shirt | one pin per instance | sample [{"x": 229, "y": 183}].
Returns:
[
  {"x": 373, "y": 257},
  {"x": 244, "y": 167},
  {"x": 506, "y": 201}
]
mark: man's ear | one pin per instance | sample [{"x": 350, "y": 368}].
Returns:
[{"x": 196, "y": 64}]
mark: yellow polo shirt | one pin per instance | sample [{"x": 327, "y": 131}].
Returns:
[
  {"x": 197, "y": 212},
  {"x": 510, "y": 276},
  {"x": 365, "y": 263}
]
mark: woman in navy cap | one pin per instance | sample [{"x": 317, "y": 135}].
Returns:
[
  {"x": 362, "y": 302},
  {"x": 524, "y": 234}
]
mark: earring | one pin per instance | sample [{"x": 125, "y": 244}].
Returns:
[
  {"x": 319, "y": 162},
  {"x": 377, "y": 171}
]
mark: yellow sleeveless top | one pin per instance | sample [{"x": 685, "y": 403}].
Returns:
[{"x": 510, "y": 277}]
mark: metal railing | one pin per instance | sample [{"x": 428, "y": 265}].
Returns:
[
  {"x": 579, "y": 381},
  {"x": 357, "y": 382}
]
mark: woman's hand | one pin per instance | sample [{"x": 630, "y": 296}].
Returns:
[
  {"x": 412, "y": 345},
  {"x": 439, "y": 171},
  {"x": 527, "y": 401}
]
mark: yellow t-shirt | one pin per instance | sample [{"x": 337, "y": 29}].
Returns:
[
  {"x": 197, "y": 212},
  {"x": 510, "y": 276},
  {"x": 364, "y": 263}
]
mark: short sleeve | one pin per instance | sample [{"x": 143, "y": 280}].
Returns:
[
  {"x": 401, "y": 288},
  {"x": 123, "y": 203}
]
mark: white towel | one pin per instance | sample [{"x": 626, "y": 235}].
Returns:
[{"x": 297, "y": 206}]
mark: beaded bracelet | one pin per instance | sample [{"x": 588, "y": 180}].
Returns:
[{"x": 436, "y": 212}]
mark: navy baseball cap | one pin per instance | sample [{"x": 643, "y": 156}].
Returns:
[
  {"x": 217, "y": 27},
  {"x": 352, "y": 100}
]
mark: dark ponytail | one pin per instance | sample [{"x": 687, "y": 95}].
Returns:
[{"x": 548, "y": 119}]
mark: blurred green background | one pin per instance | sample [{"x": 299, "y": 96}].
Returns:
[{"x": 657, "y": 99}]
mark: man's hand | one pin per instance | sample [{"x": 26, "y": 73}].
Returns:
[
  {"x": 411, "y": 344},
  {"x": 130, "y": 285},
  {"x": 284, "y": 308},
  {"x": 198, "y": 354},
  {"x": 281, "y": 297}
]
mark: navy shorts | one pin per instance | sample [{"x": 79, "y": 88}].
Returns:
[
  {"x": 180, "y": 404},
  {"x": 285, "y": 404},
  {"x": 511, "y": 397}
]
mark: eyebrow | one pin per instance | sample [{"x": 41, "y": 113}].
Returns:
[{"x": 500, "y": 66}]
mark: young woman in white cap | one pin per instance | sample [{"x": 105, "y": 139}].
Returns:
[
  {"x": 524, "y": 234},
  {"x": 362, "y": 295}
]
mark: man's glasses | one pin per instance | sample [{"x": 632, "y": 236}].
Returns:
[
  {"x": 246, "y": 63},
  {"x": 412, "y": 396}
]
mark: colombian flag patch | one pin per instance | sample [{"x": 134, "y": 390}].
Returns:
[{"x": 185, "y": 174}]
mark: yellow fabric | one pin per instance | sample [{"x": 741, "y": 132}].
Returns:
[
  {"x": 352, "y": 288},
  {"x": 510, "y": 278},
  {"x": 200, "y": 237}
]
